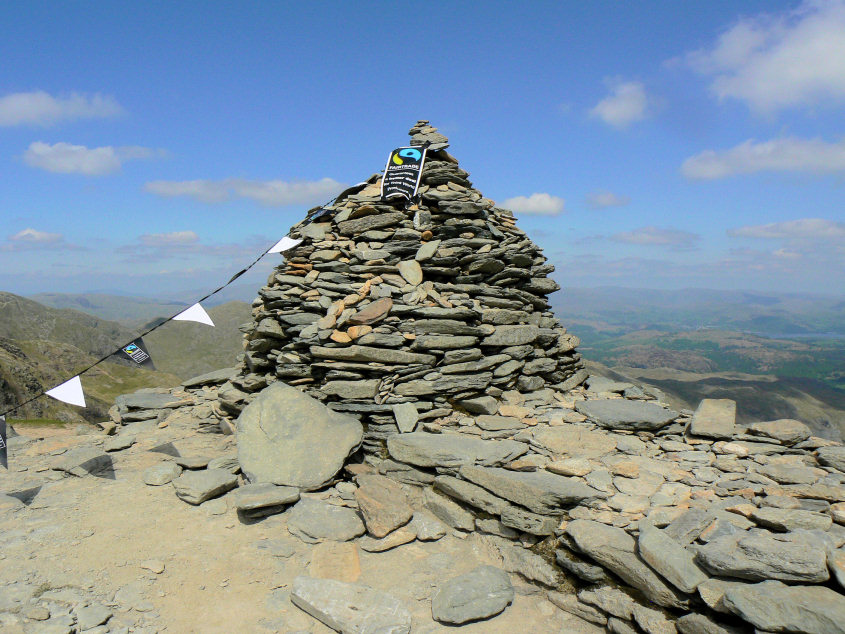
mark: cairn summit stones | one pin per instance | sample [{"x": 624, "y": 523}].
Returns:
[{"x": 438, "y": 302}]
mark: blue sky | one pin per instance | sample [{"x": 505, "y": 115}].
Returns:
[{"x": 156, "y": 149}]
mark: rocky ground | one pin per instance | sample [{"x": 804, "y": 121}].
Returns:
[
  {"x": 582, "y": 511},
  {"x": 105, "y": 552}
]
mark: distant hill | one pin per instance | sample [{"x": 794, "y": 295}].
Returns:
[
  {"x": 22, "y": 319},
  {"x": 41, "y": 347},
  {"x": 768, "y": 314},
  {"x": 187, "y": 349},
  {"x": 758, "y": 397},
  {"x": 112, "y": 307}
]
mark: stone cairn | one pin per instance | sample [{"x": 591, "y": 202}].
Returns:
[
  {"x": 423, "y": 335},
  {"x": 400, "y": 313}
]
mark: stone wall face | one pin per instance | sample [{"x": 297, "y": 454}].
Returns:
[{"x": 400, "y": 313}]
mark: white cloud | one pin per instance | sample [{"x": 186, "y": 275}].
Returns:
[
  {"x": 791, "y": 230},
  {"x": 272, "y": 193},
  {"x": 788, "y": 154},
  {"x": 603, "y": 199},
  {"x": 65, "y": 158},
  {"x": 775, "y": 62},
  {"x": 33, "y": 236},
  {"x": 655, "y": 236},
  {"x": 42, "y": 109},
  {"x": 536, "y": 204},
  {"x": 626, "y": 104},
  {"x": 173, "y": 239},
  {"x": 30, "y": 239}
]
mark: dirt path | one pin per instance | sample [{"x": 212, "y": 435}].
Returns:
[{"x": 86, "y": 541}]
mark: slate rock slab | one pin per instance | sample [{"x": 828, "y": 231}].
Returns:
[
  {"x": 195, "y": 487},
  {"x": 833, "y": 457},
  {"x": 383, "y": 504},
  {"x": 785, "y": 430},
  {"x": 541, "y": 492},
  {"x": 119, "y": 442},
  {"x": 626, "y": 415},
  {"x": 790, "y": 519},
  {"x": 84, "y": 461},
  {"x": 615, "y": 549},
  {"x": 714, "y": 418},
  {"x": 148, "y": 400},
  {"x": 258, "y": 499},
  {"x": 775, "y": 607},
  {"x": 350, "y": 608},
  {"x": 570, "y": 440},
  {"x": 287, "y": 438},
  {"x": 479, "y": 594},
  {"x": 670, "y": 559},
  {"x": 758, "y": 557},
  {"x": 314, "y": 521},
  {"x": 211, "y": 378},
  {"x": 451, "y": 450},
  {"x": 161, "y": 474}
]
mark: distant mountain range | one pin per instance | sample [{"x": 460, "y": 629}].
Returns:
[
  {"x": 692, "y": 344},
  {"x": 769, "y": 314},
  {"x": 41, "y": 346}
]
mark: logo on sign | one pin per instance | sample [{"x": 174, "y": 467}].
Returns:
[
  {"x": 135, "y": 353},
  {"x": 411, "y": 154}
]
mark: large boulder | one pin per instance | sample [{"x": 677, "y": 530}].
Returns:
[{"x": 287, "y": 438}]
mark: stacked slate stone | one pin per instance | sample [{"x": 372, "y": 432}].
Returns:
[{"x": 401, "y": 313}]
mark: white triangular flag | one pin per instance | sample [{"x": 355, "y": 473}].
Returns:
[
  {"x": 284, "y": 244},
  {"x": 69, "y": 392},
  {"x": 195, "y": 313}
]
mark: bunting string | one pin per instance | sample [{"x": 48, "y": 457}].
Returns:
[{"x": 70, "y": 391}]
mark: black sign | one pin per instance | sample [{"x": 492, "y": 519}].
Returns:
[
  {"x": 3, "y": 455},
  {"x": 137, "y": 351},
  {"x": 402, "y": 173}
]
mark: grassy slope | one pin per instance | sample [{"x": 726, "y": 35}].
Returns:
[{"x": 29, "y": 367}]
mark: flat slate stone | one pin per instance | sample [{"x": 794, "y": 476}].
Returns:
[
  {"x": 119, "y": 442},
  {"x": 790, "y": 519},
  {"x": 349, "y": 607},
  {"x": 471, "y": 494},
  {"x": 448, "y": 511},
  {"x": 372, "y": 313},
  {"x": 195, "y": 487},
  {"x": 512, "y": 335},
  {"x": 147, "y": 400},
  {"x": 758, "y": 557},
  {"x": 314, "y": 521},
  {"x": 775, "y": 607},
  {"x": 411, "y": 271},
  {"x": 670, "y": 559},
  {"x": 451, "y": 450},
  {"x": 288, "y": 438},
  {"x": 714, "y": 418},
  {"x": 383, "y": 504},
  {"x": 366, "y": 354},
  {"x": 623, "y": 414},
  {"x": 570, "y": 440},
  {"x": 84, "y": 461},
  {"x": 833, "y": 457},
  {"x": 161, "y": 474},
  {"x": 479, "y": 594},
  {"x": 541, "y": 492},
  {"x": 211, "y": 378},
  {"x": 489, "y": 422},
  {"x": 615, "y": 549},
  {"x": 406, "y": 416},
  {"x": 785, "y": 430},
  {"x": 480, "y": 405},
  {"x": 252, "y": 497}
]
